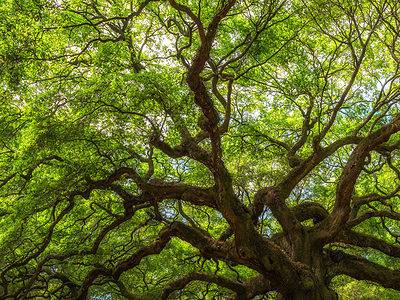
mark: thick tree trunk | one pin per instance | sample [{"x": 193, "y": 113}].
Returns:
[
  {"x": 318, "y": 293},
  {"x": 315, "y": 288}
]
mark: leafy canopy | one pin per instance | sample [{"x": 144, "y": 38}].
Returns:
[{"x": 199, "y": 149}]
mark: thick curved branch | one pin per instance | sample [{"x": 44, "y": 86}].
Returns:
[
  {"x": 367, "y": 241},
  {"x": 272, "y": 198},
  {"x": 158, "y": 190},
  {"x": 357, "y": 202},
  {"x": 362, "y": 269},
  {"x": 373, "y": 214},
  {"x": 188, "y": 148},
  {"x": 275, "y": 197},
  {"x": 180, "y": 283},
  {"x": 156, "y": 247},
  {"x": 351, "y": 172},
  {"x": 308, "y": 164},
  {"x": 208, "y": 247}
]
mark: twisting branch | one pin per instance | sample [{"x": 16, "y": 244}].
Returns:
[
  {"x": 362, "y": 269},
  {"x": 367, "y": 241},
  {"x": 180, "y": 284},
  {"x": 352, "y": 170}
]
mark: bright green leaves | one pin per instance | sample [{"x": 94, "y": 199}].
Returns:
[{"x": 87, "y": 88}]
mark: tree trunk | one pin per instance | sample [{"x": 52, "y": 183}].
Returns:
[{"x": 318, "y": 293}]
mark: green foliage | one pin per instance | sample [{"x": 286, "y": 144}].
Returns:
[{"x": 87, "y": 86}]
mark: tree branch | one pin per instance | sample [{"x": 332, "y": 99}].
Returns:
[{"x": 362, "y": 269}]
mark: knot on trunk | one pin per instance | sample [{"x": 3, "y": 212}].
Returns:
[
  {"x": 263, "y": 197},
  {"x": 310, "y": 210}
]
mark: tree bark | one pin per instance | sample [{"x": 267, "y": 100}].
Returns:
[{"x": 320, "y": 292}]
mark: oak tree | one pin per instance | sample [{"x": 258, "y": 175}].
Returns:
[{"x": 199, "y": 149}]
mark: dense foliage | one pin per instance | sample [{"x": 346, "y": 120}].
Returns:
[{"x": 199, "y": 149}]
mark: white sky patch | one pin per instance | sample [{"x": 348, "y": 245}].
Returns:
[
  {"x": 18, "y": 102},
  {"x": 57, "y": 3},
  {"x": 72, "y": 49}
]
